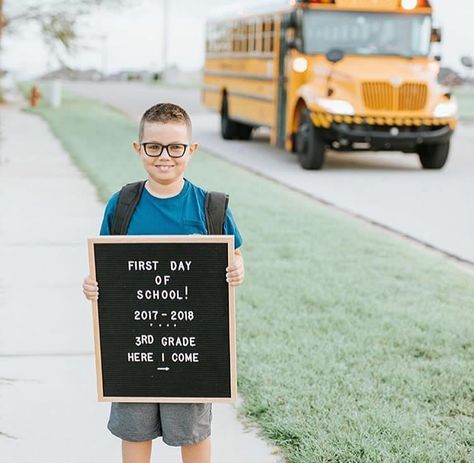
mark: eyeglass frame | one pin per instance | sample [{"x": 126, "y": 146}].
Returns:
[{"x": 163, "y": 147}]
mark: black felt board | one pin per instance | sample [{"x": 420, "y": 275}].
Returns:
[{"x": 192, "y": 306}]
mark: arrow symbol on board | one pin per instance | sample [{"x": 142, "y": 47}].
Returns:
[{"x": 163, "y": 368}]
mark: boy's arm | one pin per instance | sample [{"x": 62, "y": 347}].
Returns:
[
  {"x": 236, "y": 270},
  {"x": 90, "y": 288}
]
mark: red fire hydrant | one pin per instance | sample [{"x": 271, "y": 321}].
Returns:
[{"x": 35, "y": 95}]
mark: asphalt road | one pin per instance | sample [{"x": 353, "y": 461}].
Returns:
[{"x": 389, "y": 189}]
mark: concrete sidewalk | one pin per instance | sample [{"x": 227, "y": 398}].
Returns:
[{"x": 49, "y": 410}]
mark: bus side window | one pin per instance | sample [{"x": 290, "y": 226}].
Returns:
[
  {"x": 213, "y": 39},
  {"x": 272, "y": 35},
  {"x": 264, "y": 34},
  {"x": 219, "y": 41},
  {"x": 268, "y": 35},
  {"x": 250, "y": 36},
  {"x": 253, "y": 31},
  {"x": 246, "y": 38},
  {"x": 235, "y": 37},
  {"x": 254, "y": 35},
  {"x": 228, "y": 38},
  {"x": 209, "y": 38},
  {"x": 258, "y": 36},
  {"x": 219, "y": 38}
]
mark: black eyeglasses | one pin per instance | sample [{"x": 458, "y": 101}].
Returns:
[{"x": 154, "y": 150}]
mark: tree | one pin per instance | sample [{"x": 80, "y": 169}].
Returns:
[{"x": 57, "y": 20}]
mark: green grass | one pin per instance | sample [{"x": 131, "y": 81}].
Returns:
[
  {"x": 353, "y": 346},
  {"x": 465, "y": 97}
]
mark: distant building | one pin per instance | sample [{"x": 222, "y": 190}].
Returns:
[
  {"x": 128, "y": 75},
  {"x": 67, "y": 73},
  {"x": 178, "y": 76}
]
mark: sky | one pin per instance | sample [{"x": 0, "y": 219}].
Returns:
[{"x": 131, "y": 37}]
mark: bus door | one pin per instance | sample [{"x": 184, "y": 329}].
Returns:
[{"x": 281, "y": 51}]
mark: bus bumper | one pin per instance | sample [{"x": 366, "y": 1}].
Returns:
[
  {"x": 348, "y": 134},
  {"x": 380, "y": 140}
]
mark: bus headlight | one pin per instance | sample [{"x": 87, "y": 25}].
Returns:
[
  {"x": 336, "y": 106},
  {"x": 300, "y": 64},
  {"x": 448, "y": 109}
]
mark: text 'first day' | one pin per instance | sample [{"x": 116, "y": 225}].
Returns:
[{"x": 153, "y": 265}]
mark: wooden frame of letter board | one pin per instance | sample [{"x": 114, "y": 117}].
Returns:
[{"x": 229, "y": 240}]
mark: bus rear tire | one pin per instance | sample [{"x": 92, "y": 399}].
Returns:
[
  {"x": 310, "y": 146},
  {"x": 433, "y": 156},
  {"x": 244, "y": 131},
  {"x": 229, "y": 128}
]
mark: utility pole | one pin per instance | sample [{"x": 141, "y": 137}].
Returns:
[
  {"x": 164, "y": 38},
  {"x": 2, "y": 23},
  {"x": 104, "y": 60}
]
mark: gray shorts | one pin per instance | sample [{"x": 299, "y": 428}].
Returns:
[{"x": 178, "y": 424}]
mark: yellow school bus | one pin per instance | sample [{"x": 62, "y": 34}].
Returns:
[{"x": 346, "y": 75}]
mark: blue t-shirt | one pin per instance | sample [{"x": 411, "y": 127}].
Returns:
[{"x": 183, "y": 214}]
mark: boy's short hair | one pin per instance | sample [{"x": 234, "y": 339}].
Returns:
[{"x": 164, "y": 113}]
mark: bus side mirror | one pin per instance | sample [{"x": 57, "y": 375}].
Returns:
[
  {"x": 438, "y": 57},
  {"x": 436, "y": 35},
  {"x": 334, "y": 55},
  {"x": 467, "y": 62},
  {"x": 292, "y": 21}
]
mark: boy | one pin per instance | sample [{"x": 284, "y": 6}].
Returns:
[{"x": 169, "y": 205}]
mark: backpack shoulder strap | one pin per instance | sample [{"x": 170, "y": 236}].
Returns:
[
  {"x": 216, "y": 208},
  {"x": 128, "y": 199}
]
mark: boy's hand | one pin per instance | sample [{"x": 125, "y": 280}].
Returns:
[
  {"x": 236, "y": 271},
  {"x": 90, "y": 288}
]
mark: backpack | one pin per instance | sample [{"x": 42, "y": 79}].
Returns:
[{"x": 215, "y": 206}]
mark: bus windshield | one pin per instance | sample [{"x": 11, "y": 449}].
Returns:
[{"x": 365, "y": 33}]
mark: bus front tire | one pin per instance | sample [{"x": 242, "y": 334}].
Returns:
[
  {"x": 310, "y": 146},
  {"x": 433, "y": 156}
]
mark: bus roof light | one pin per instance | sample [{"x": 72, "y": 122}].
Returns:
[{"x": 409, "y": 4}]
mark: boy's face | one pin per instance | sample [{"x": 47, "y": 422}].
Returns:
[{"x": 164, "y": 169}]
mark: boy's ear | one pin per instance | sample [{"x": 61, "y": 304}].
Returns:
[
  {"x": 193, "y": 147},
  {"x": 136, "y": 146}
]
